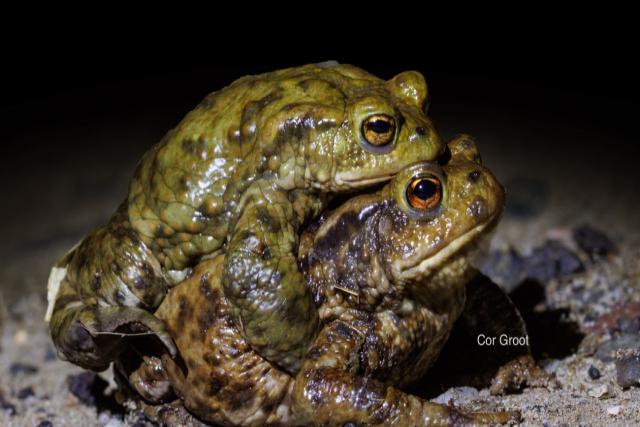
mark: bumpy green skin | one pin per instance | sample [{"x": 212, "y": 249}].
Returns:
[
  {"x": 388, "y": 286},
  {"x": 243, "y": 172},
  {"x": 112, "y": 284}
]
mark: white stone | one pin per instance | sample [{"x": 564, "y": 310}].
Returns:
[{"x": 614, "y": 410}]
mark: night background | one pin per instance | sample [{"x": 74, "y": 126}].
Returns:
[
  {"x": 555, "y": 119},
  {"x": 79, "y": 114}
]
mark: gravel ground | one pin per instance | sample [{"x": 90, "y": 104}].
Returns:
[
  {"x": 579, "y": 294},
  {"x": 601, "y": 302}
]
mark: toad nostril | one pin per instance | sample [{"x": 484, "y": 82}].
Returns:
[
  {"x": 473, "y": 176},
  {"x": 421, "y": 131}
]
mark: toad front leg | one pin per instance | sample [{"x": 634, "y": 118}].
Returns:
[
  {"x": 330, "y": 391},
  {"x": 261, "y": 280}
]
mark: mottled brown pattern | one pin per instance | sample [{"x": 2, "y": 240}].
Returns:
[
  {"x": 388, "y": 327},
  {"x": 371, "y": 343},
  {"x": 226, "y": 383}
]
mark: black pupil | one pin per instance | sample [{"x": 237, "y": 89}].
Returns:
[
  {"x": 425, "y": 189},
  {"x": 379, "y": 126}
]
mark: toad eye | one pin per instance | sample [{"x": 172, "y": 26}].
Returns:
[
  {"x": 424, "y": 192},
  {"x": 379, "y": 130}
]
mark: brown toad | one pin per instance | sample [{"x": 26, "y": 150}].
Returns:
[{"x": 387, "y": 272}]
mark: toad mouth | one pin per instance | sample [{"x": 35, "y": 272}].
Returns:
[
  {"x": 355, "y": 182},
  {"x": 430, "y": 264}
]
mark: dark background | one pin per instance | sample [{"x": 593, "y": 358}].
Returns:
[
  {"x": 586, "y": 71},
  {"x": 78, "y": 112}
]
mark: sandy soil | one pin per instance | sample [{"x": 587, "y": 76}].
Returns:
[{"x": 37, "y": 388}]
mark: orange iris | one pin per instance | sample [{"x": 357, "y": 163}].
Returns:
[{"x": 424, "y": 193}]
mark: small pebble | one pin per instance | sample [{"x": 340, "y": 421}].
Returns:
[
  {"x": 594, "y": 242},
  {"x": 552, "y": 260},
  {"x": 114, "y": 423},
  {"x": 607, "y": 350},
  {"x": 505, "y": 268},
  {"x": 627, "y": 325},
  {"x": 25, "y": 392},
  {"x": 594, "y": 373},
  {"x": 9, "y": 408},
  {"x": 614, "y": 410},
  {"x": 456, "y": 394},
  {"x": 600, "y": 391},
  {"x": 50, "y": 354},
  {"x": 103, "y": 418},
  {"x": 628, "y": 368},
  {"x": 6, "y": 406},
  {"x": 111, "y": 421},
  {"x": 22, "y": 368},
  {"x": 87, "y": 387},
  {"x": 21, "y": 337},
  {"x": 551, "y": 366},
  {"x": 45, "y": 423}
]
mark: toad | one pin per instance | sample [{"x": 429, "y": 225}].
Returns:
[
  {"x": 387, "y": 271},
  {"x": 241, "y": 174}
]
